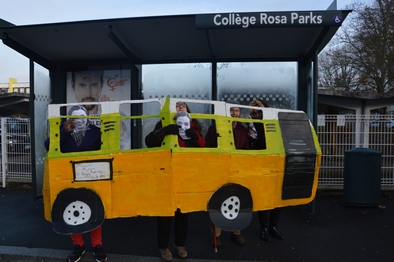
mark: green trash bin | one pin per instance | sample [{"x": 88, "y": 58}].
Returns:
[{"x": 361, "y": 177}]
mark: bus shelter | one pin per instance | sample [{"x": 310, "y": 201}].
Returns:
[{"x": 217, "y": 56}]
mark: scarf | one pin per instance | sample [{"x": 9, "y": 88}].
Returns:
[{"x": 78, "y": 136}]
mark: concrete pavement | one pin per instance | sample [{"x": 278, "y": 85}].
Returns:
[{"x": 335, "y": 232}]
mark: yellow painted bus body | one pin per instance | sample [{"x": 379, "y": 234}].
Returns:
[{"x": 157, "y": 181}]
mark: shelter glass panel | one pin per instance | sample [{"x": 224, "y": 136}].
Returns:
[
  {"x": 190, "y": 81},
  {"x": 273, "y": 82},
  {"x": 42, "y": 97}
]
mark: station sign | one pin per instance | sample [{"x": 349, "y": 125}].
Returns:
[{"x": 269, "y": 19}]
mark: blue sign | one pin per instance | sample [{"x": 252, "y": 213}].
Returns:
[{"x": 269, "y": 19}]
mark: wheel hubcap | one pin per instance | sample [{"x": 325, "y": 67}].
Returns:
[
  {"x": 77, "y": 213},
  {"x": 230, "y": 207}
]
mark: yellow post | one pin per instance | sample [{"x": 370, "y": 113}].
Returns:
[{"x": 11, "y": 83}]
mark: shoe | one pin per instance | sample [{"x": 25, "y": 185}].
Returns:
[
  {"x": 99, "y": 253},
  {"x": 264, "y": 235},
  {"x": 166, "y": 254},
  {"x": 274, "y": 232},
  {"x": 218, "y": 242},
  {"x": 76, "y": 254},
  {"x": 238, "y": 239},
  {"x": 182, "y": 253}
]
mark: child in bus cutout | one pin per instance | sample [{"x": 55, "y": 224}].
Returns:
[{"x": 188, "y": 131}]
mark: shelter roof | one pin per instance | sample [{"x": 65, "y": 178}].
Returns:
[{"x": 175, "y": 39}]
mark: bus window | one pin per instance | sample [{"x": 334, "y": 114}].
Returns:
[
  {"x": 256, "y": 132},
  {"x": 76, "y": 132},
  {"x": 133, "y": 127},
  {"x": 211, "y": 136},
  {"x": 241, "y": 140}
]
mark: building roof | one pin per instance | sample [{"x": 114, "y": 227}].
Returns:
[{"x": 176, "y": 39}]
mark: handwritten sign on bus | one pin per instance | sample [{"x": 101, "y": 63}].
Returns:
[{"x": 92, "y": 171}]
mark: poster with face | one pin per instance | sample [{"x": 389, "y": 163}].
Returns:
[{"x": 99, "y": 86}]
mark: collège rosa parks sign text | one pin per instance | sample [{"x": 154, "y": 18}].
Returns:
[{"x": 269, "y": 19}]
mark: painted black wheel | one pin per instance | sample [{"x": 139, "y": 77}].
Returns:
[
  {"x": 77, "y": 210},
  {"x": 230, "y": 207}
]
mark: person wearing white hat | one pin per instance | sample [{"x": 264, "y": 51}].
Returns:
[{"x": 268, "y": 219}]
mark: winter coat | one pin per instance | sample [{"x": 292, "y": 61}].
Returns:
[
  {"x": 240, "y": 137},
  {"x": 154, "y": 138},
  {"x": 91, "y": 141},
  {"x": 260, "y": 142}
]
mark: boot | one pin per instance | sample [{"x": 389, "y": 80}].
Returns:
[
  {"x": 275, "y": 233},
  {"x": 238, "y": 239},
  {"x": 264, "y": 235},
  {"x": 182, "y": 253},
  {"x": 166, "y": 254}
]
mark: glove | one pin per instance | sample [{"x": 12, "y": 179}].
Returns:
[
  {"x": 69, "y": 125},
  {"x": 171, "y": 130},
  {"x": 192, "y": 134}
]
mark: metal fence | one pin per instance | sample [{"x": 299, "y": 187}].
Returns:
[
  {"x": 337, "y": 133},
  {"x": 15, "y": 150}
]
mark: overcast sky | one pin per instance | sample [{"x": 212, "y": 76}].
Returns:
[{"x": 25, "y": 12}]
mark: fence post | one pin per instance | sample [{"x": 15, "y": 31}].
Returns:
[{"x": 3, "y": 149}]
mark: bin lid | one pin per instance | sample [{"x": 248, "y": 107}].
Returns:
[{"x": 361, "y": 150}]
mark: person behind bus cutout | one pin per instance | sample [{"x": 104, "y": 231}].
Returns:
[
  {"x": 241, "y": 142},
  {"x": 87, "y": 87},
  {"x": 78, "y": 135},
  {"x": 156, "y": 137},
  {"x": 268, "y": 219},
  {"x": 188, "y": 131}
]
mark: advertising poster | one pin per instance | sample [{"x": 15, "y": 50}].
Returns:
[{"x": 99, "y": 86}]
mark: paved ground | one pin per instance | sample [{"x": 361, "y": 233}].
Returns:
[{"x": 335, "y": 232}]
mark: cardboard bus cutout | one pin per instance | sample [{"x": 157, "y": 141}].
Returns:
[{"x": 81, "y": 189}]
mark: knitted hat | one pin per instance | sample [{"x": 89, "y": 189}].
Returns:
[
  {"x": 259, "y": 103},
  {"x": 74, "y": 108}
]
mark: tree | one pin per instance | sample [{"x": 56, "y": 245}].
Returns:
[
  {"x": 336, "y": 69},
  {"x": 363, "y": 50}
]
